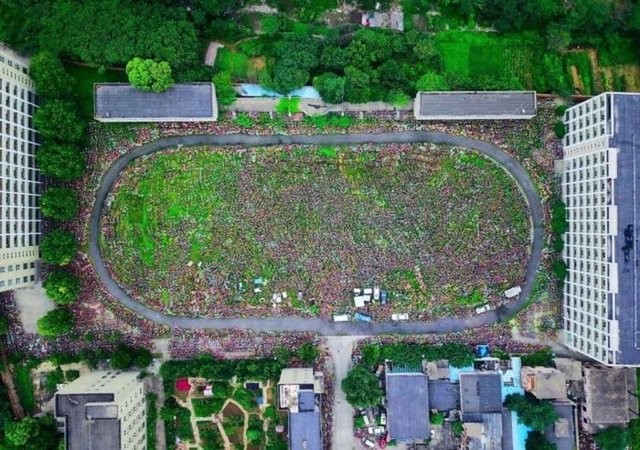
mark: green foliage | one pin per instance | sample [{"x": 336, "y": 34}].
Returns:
[
  {"x": 234, "y": 63},
  {"x": 4, "y": 326},
  {"x": 152, "y": 418},
  {"x": 58, "y": 247},
  {"x": 457, "y": 428},
  {"x": 559, "y": 268},
  {"x": 330, "y": 86},
  {"x": 431, "y": 81},
  {"x": 560, "y": 110},
  {"x": 283, "y": 355},
  {"x": 398, "y": 98},
  {"x": 541, "y": 358},
  {"x": 329, "y": 120},
  {"x": 245, "y": 398},
  {"x": 243, "y": 120},
  {"x": 57, "y": 121},
  {"x": 225, "y": 94},
  {"x": 149, "y": 75},
  {"x": 126, "y": 357},
  {"x": 55, "y": 323},
  {"x": 59, "y": 203},
  {"x": 51, "y": 79},
  {"x": 31, "y": 433},
  {"x": 64, "y": 162},
  {"x": 254, "y": 436},
  {"x": 634, "y": 431},
  {"x": 459, "y": 355},
  {"x": 54, "y": 378},
  {"x": 296, "y": 56},
  {"x": 288, "y": 105},
  {"x": 612, "y": 438},
  {"x": 557, "y": 244},
  {"x": 436, "y": 418},
  {"x": 62, "y": 287},
  {"x": 24, "y": 386},
  {"x": 308, "y": 353},
  {"x": 71, "y": 375},
  {"x": 177, "y": 421},
  {"x": 205, "y": 407},
  {"x": 582, "y": 63},
  {"x": 534, "y": 413},
  {"x": 537, "y": 441},
  {"x": 559, "y": 129},
  {"x": 559, "y": 224},
  {"x": 361, "y": 388}
]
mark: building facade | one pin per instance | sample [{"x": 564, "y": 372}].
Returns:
[
  {"x": 103, "y": 411},
  {"x": 600, "y": 182},
  {"x": 19, "y": 179}
]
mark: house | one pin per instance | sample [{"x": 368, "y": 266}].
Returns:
[
  {"x": 485, "y": 105},
  {"x": 607, "y": 398},
  {"x": 485, "y": 435},
  {"x": 480, "y": 393},
  {"x": 563, "y": 432},
  {"x": 184, "y": 102},
  {"x": 299, "y": 392},
  {"x": 544, "y": 382},
  {"x": 407, "y": 393},
  {"x": 102, "y": 411}
]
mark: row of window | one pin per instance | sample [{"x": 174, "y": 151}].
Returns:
[
  {"x": 24, "y": 240},
  {"x": 598, "y": 352},
  {"x": 20, "y": 132},
  {"x": 25, "y": 279},
  {"x": 24, "y": 266},
  {"x": 20, "y": 146}
]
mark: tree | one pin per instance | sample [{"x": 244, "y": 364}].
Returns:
[
  {"x": 58, "y": 247},
  {"x": 558, "y": 38},
  {"x": 59, "y": 203},
  {"x": 559, "y": 268},
  {"x": 225, "y": 94},
  {"x": 432, "y": 81},
  {"x": 361, "y": 388},
  {"x": 612, "y": 438},
  {"x": 56, "y": 322},
  {"x": 64, "y": 162},
  {"x": 330, "y": 86},
  {"x": 537, "y": 441},
  {"x": 254, "y": 435},
  {"x": 56, "y": 120},
  {"x": 288, "y": 77},
  {"x": 308, "y": 353},
  {"x": 334, "y": 58},
  {"x": 532, "y": 412},
  {"x": 62, "y": 287},
  {"x": 149, "y": 75},
  {"x": 51, "y": 79}
]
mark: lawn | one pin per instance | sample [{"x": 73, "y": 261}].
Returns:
[
  {"x": 24, "y": 386},
  {"x": 85, "y": 77},
  {"x": 189, "y": 231}
]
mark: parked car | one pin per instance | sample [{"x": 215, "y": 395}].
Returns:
[
  {"x": 365, "y": 416},
  {"x": 383, "y": 418},
  {"x": 360, "y": 317},
  {"x": 368, "y": 442}
]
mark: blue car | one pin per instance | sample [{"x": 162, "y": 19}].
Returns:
[{"x": 359, "y": 317}]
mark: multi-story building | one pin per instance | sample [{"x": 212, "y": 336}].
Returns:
[
  {"x": 103, "y": 411},
  {"x": 600, "y": 187},
  {"x": 19, "y": 178}
]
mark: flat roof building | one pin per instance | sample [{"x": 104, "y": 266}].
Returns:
[
  {"x": 563, "y": 432},
  {"x": 20, "y": 219},
  {"x": 607, "y": 398},
  {"x": 407, "y": 393},
  {"x": 475, "y": 105},
  {"x": 102, "y": 411},
  {"x": 480, "y": 393},
  {"x": 546, "y": 383},
  {"x": 299, "y": 393},
  {"x": 600, "y": 185},
  {"x": 185, "y": 102}
]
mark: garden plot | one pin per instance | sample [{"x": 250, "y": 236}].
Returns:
[{"x": 221, "y": 231}]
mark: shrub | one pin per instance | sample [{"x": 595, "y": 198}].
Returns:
[
  {"x": 62, "y": 287},
  {"x": 288, "y": 105},
  {"x": 56, "y": 322},
  {"x": 59, "y": 203},
  {"x": 308, "y": 353},
  {"x": 542, "y": 358},
  {"x": 612, "y": 438},
  {"x": 437, "y": 418},
  {"x": 58, "y": 247},
  {"x": 71, "y": 374},
  {"x": 559, "y": 268},
  {"x": 243, "y": 120},
  {"x": 149, "y": 75},
  {"x": 457, "y": 428},
  {"x": 560, "y": 110},
  {"x": 225, "y": 94},
  {"x": 330, "y": 86},
  {"x": 557, "y": 244},
  {"x": 559, "y": 223},
  {"x": 432, "y": 81},
  {"x": 57, "y": 121},
  {"x": 205, "y": 407},
  {"x": 537, "y": 441},
  {"x": 49, "y": 76},
  {"x": 63, "y": 162},
  {"x": 245, "y": 398},
  {"x": 560, "y": 129}
]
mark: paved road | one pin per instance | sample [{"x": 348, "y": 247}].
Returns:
[{"x": 324, "y": 327}]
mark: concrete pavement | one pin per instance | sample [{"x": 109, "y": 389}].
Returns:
[{"x": 324, "y": 327}]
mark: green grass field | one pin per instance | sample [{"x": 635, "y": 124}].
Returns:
[
  {"x": 85, "y": 77},
  {"x": 24, "y": 385}
]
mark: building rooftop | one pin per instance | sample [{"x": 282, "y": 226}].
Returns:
[
  {"x": 480, "y": 393},
  {"x": 544, "y": 382},
  {"x": 305, "y": 431},
  {"x": 563, "y": 433},
  {"x": 571, "y": 368},
  {"x": 626, "y": 117},
  {"x": 186, "y": 102},
  {"x": 475, "y": 105},
  {"x": 90, "y": 422},
  {"x": 407, "y": 406},
  {"x": 444, "y": 395},
  {"x": 606, "y": 396}
]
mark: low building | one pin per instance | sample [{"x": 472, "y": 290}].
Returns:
[
  {"x": 476, "y": 105},
  {"x": 480, "y": 393},
  {"x": 485, "y": 435},
  {"x": 563, "y": 433},
  {"x": 299, "y": 393},
  {"x": 607, "y": 397},
  {"x": 185, "y": 102},
  {"x": 407, "y": 393},
  {"x": 102, "y": 411},
  {"x": 546, "y": 383}
]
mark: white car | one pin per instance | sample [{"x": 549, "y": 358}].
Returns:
[
  {"x": 368, "y": 442},
  {"x": 483, "y": 309},
  {"x": 383, "y": 419}
]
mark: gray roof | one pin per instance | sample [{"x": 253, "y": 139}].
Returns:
[
  {"x": 563, "y": 432},
  {"x": 480, "y": 393},
  {"x": 626, "y": 114},
  {"x": 188, "y": 102},
  {"x": 444, "y": 395},
  {"x": 606, "y": 399},
  {"x": 407, "y": 406},
  {"x": 475, "y": 105},
  {"x": 507, "y": 430},
  {"x": 82, "y": 433},
  {"x": 305, "y": 431},
  {"x": 306, "y": 401}
]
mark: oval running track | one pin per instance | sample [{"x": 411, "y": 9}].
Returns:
[{"x": 321, "y": 326}]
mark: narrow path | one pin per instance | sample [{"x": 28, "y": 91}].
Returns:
[{"x": 324, "y": 327}]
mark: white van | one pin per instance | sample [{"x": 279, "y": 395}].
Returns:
[{"x": 341, "y": 318}]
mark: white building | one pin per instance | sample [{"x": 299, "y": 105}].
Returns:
[
  {"x": 103, "y": 411},
  {"x": 600, "y": 187},
  {"x": 19, "y": 178}
]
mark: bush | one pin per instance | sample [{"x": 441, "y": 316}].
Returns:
[
  {"x": 62, "y": 287},
  {"x": 59, "y": 203},
  {"x": 245, "y": 398},
  {"x": 149, "y": 75},
  {"x": 71, "y": 375},
  {"x": 243, "y": 120},
  {"x": 431, "y": 81},
  {"x": 557, "y": 244},
  {"x": 542, "y": 358},
  {"x": 361, "y": 388},
  {"x": 308, "y": 353},
  {"x": 126, "y": 357},
  {"x": 330, "y": 86},
  {"x": 55, "y": 323},
  {"x": 50, "y": 77},
  {"x": 64, "y": 162},
  {"x": 560, "y": 110},
  {"x": 457, "y": 428},
  {"x": 560, "y": 129},
  {"x": 152, "y": 418},
  {"x": 559, "y": 268},
  {"x": 225, "y": 94},
  {"x": 612, "y": 438},
  {"x": 205, "y": 407},
  {"x": 58, "y": 247},
  {"x": 288, "y": 105},
  {"x": 57, "y": 121},
  {"x": 559, "y": 223},
  {"x": 437, "y": 418}
]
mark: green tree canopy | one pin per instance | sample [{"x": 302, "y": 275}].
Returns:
[
  {"x": 58, "y": 247},
  {"x": 532, "y": 412},
  {"x": 225, "y": 94},
  {"x": 31, "y": 433},
  {"x": 64, "y": 162},
  {"x": 51, "y": 79},
  {"x": 612, "y": 438},
  {"x": 432, "y": 81},
  {"x": 57, "y": 120},
  {"x": 62, "y": 287},
  {"x": 361, "y": 388},
  {"x": 149, "y": 75},
  {"x": 330, "y": 86},
  {"x": 55, "y": 322},
  {"x": 537, "y": 441},
  {"x": 308, "y": 353},
  {"x": 59, "y": 203}
]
